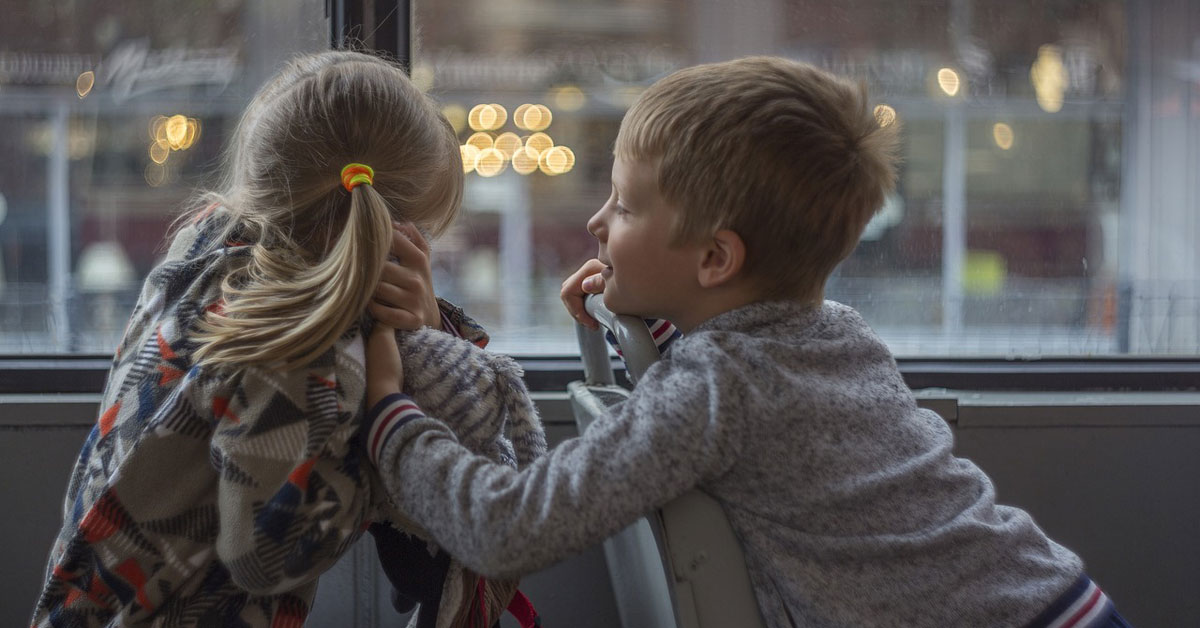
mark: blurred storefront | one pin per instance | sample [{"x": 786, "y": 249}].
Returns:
[{"x": 1047, "y": 205}]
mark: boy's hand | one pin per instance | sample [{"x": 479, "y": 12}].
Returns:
[
  {"x": 585, "y": 281},
  {"x": 385, "y": 373},
  {"x": 404, "y": 297}
]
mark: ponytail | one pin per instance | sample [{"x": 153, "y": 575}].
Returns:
[{"x": 283, "y": 312}]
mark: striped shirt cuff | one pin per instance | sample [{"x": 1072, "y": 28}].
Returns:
[
  {"x": 661, "y": 330},
  {"x": 1084, "y": 605},
  {"x": 664, "y": 333},
  {"x": 386, "y": 418}
]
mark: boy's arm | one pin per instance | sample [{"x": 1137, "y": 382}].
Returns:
[
  {"x": 667, "y": 437},
  {"x": 291, "y": 494}
]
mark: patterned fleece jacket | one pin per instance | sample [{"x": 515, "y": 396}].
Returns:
[{"x": 203, "y": 499}]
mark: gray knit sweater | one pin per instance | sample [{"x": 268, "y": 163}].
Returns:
[{"x": 850, "y": 504}]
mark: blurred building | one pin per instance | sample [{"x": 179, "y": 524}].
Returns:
[{"x": 1047, "y": 201}]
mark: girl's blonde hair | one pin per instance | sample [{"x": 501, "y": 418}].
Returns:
[{"x": 317, "y": 251}]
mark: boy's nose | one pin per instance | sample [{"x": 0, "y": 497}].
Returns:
[{"x": 595, "y": 226}]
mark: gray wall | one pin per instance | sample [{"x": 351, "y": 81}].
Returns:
[
  {"x": 40, "y": 437},
  {"x": 1112, "y": 476}
]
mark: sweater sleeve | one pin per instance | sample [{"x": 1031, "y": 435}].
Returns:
[
  {"x": 291, "y": 497},
  {"x": 672, "y": 434}
]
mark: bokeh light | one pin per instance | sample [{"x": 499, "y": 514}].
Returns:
[
  {"x": 570, "y": 155},
  {"x": 501, "y": 116},
  {"x": 519, "y": 116},
  {"x": 535, "y": 118},
  {"x": 488, "y": 151},
  {"x": 487, "y": 117},
  {"x": 539, "y": 142},
  {"x": 569, "y": 98},
  {"x": 1049, "y": 78},
  {"x": 193, "y": 133},
  {"x": 157, "y": 132},
  {"x": 84, "y": 84},
  {"x": 508, "y": 143},
  {"x": 156, "y": 174},
  {"x": 176, "y": 129},
  {"x": 159, "y": 153},
  {"x": 525, "y": 160},
  {"x": 949, "y": 81},
  {"x": 1003, "y": 135},
  {"x": 885, "y": 115},
  {"x": 481, "y": 141},
  {"x": 469, "y": 154},
  {"x": 557, "y": 160},
  {"x": 490, "y": 162}
]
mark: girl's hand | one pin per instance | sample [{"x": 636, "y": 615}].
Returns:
[
  {"x": 404, "y": 297},
  {"x": 587, "y": 280},
  {"x": 385, "y": 373}
]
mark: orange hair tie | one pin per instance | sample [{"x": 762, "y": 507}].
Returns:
[{"x": 354, "y": 174}]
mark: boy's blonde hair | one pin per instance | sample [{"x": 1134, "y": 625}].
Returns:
[
  {"x": 789, "y": 157},
  {"x": 318, "y": 250}
]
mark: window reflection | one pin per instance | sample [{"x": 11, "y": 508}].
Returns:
[
  {"x": 1011, "y": 230},
  {"x": 110, "y": 114},
  {"x": 1047, "y": 203}
]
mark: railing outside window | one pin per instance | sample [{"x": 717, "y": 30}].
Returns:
[{"x": 1047, "y": 203}]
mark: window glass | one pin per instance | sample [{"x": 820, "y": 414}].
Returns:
[
  {"x": 110, "y": 114},
  {"x": 1047, "y": 202}
]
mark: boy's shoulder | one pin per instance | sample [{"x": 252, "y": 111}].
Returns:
[
  {"x": 779, "y": 332},
  {"x": 781, "y": 320}
]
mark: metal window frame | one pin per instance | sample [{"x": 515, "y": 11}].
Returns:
[
  {"x": 382, "y": 26},
  {"x": 61, "y": 374}
]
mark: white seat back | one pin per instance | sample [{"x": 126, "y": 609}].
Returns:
[{"x": 683, "y": 566}]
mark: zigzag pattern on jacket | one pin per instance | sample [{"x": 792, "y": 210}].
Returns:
[{"x": 202, "y": 499}]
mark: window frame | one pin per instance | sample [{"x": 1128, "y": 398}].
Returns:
[
  {"x": 386, "y": 24},
  {"x": 63, "y": 374}
]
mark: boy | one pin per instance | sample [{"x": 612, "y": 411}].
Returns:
[{"x": 737, "y": 188}]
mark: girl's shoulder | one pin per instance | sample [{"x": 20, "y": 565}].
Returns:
[
  {"x": 187, "y": 280},
  {"x": 205, "y": 231}
]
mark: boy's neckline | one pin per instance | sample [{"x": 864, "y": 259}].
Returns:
[{"x": 760, "y": 313}]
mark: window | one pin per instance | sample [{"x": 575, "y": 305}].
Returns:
[
  {"x": 1044, "y": 205},
  {"x": 1047, "y": 204},
  {"x": 110, "y": 113}
]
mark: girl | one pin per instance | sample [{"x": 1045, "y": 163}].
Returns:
[{"x": 223, "y": 474}]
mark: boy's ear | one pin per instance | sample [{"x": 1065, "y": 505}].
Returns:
[{"x": 723, "y": 259}]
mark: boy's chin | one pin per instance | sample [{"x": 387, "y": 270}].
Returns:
[
  {"x": 612, "y": 302},
  {"x": 617, "y": 305}
]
